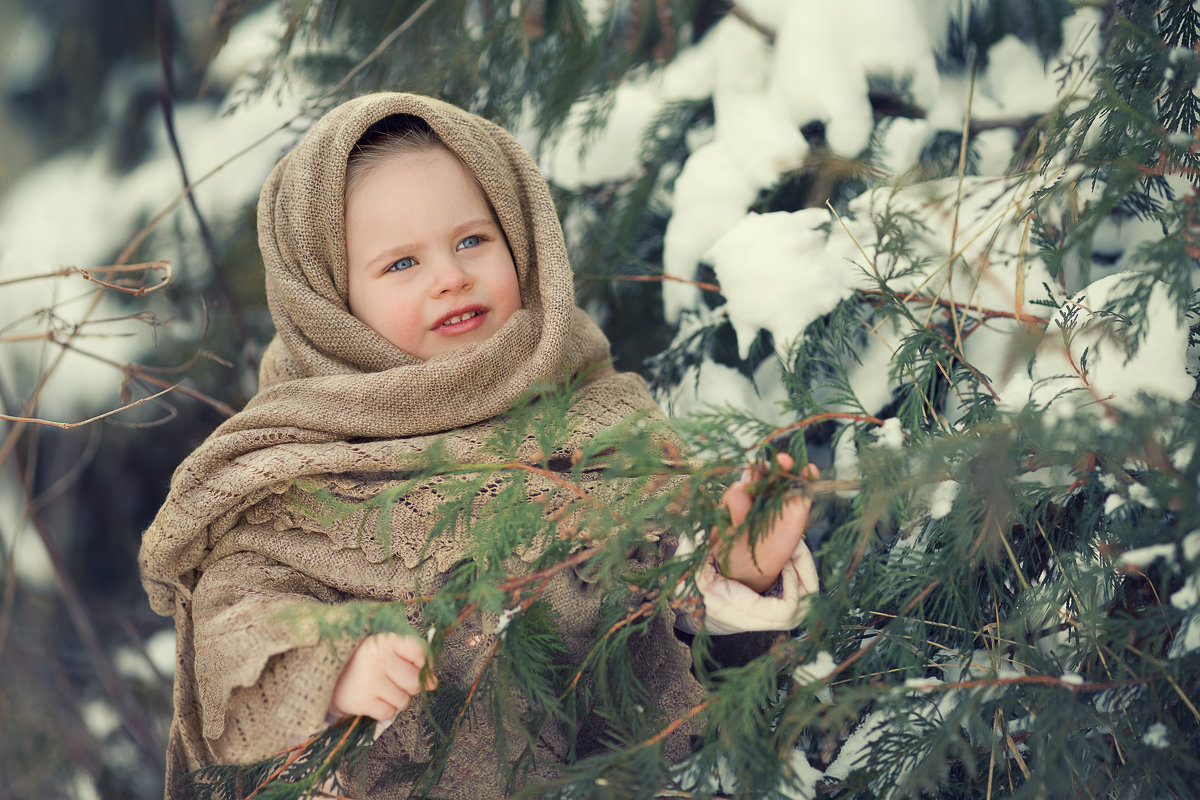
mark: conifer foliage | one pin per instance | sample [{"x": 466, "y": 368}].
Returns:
[{"x": 995, "y": 365}]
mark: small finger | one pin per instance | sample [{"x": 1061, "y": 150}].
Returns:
[
  {"x": 404, "y": 675},
  {"x": 785, "y": 461},
  {"x": 383, "y": 709},
  {"x": 737, "y": 500},
  {"x": 409, "y": 648}
]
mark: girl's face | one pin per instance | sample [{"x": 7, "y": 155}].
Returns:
[{"x": 429, "y": 267}]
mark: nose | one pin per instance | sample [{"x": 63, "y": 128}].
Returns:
[{"x": 449, "y": 277}]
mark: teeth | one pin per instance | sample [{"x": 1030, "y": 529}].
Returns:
[{"x": 460, "y": 318}]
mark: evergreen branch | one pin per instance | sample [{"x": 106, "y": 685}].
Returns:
[
  {"x": 521, "y": 466},
  {"x": 1175, "y": 686},
  {"x": 1109, "y": 411},
  {"x": 957, "y": 354},
  {"x": 478, "y": 681},
  {"x": 297, "y": 752},
  {"x": 674, "y": 724},
  {"x": 549, "y": 572},
  {"x": 644, "y": 610}
]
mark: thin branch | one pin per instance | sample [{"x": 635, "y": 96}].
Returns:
[
  {"x": 135, "y": 722},
  {"x": 804, "y": 423},
  {"x": 742, "y": 14},
  {"x": 387, "y": 42},
  {"x": 708, "y": 287},
  {"x": 982, "y": 313},
  {"x": 309, "y": 107},
  {"x": 69, "y": 425},
  {"x": 90, "y": 275},
  {"x": 166, "y": 90},
  {"x": 139, "y": 372}
]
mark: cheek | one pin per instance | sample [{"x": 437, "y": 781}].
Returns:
[{"x": 512, "y": 286}]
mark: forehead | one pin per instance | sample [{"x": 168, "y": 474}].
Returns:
[{"x": 434, "y": 174}]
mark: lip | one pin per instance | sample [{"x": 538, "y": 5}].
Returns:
[{"x": 461, "y": 327}]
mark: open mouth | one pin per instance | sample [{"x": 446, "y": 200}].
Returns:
[
  {"x": 457, "y": 318},
  {"x": 462, "y": 320}
]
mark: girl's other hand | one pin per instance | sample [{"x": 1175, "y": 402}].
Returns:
[
  {"x": 382, "y": 677},
  {"x": 759, "y": 567}
]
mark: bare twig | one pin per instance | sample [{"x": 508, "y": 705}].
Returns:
[
  {"x": 166, "y": 90},
  {"x": 69, "y": 425},
  {"x": 708, "y": 287},
  {"x": 385, "y": 44},
  {"x": 742, "y": 14},
  {"x": 91, "y": 273},
  {"x": 982, "y": 313}
]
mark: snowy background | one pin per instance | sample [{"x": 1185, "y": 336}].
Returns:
[{"x": 778, "y": 271}]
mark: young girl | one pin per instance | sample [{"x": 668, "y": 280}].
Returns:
[{"x": 419, "y": 284}]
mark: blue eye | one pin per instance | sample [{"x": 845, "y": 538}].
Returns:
[
  {"x": 402, "y": 264},
  {"x": 470, "y": 241}
]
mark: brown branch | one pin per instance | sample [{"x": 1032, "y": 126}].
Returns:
[
  {"x": 983, "y": 313},
  {"x": 644, "y": 610},
  {"x": 671, "y": 728},
  {"x": 166, "y": 90},
  {"x": 708, "y": 287},
  {"x": 90, "y": 275},
  {"x": 804, "y": 423},
  {"x": 742, "y": 14},
  {"x": 139, "y": 372},
  {"x": 69, "y": 425},
  {"x": 374, "y": 54}
]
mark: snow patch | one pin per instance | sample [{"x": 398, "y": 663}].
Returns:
[
  {"x": 505, "y": 618},
  {"x": 1156, "y": 736},
  {"x": 774, "y": 275},
  {"x": 99, "y": 718},
  {"x": 1087, "y": 362},
  {"x": 942, "y": 499},
  {"x": 1145, "y": 556},
  {"x": 801, "y": 783},
  {"x": 890, "y": 435}
]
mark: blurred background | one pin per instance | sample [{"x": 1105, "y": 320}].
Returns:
[{"x": 116, "y": 284}]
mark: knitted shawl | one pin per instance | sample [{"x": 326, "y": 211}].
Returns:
[{"x": 341, "y": 408}]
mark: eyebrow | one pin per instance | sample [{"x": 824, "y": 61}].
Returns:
[{"x": 403, "y": 249}]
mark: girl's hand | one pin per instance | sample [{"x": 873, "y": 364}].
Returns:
[
  {"x": 382, "y": 677},
  {"x": 760, "y": 567}
]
